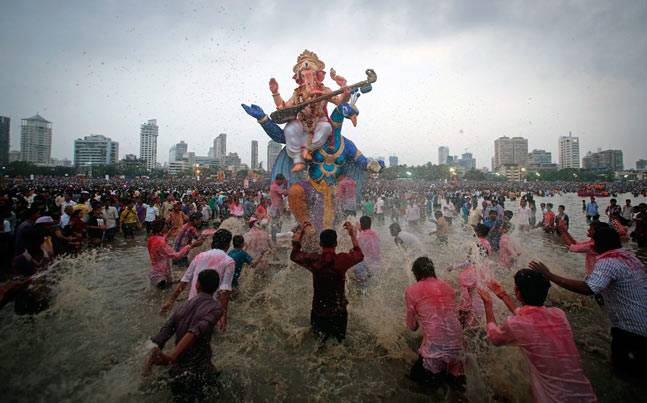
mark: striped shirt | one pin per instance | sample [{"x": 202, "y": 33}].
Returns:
[{"x": 624, "y": 290}]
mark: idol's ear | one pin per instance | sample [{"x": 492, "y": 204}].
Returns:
[{"x": 321, "y": 75}]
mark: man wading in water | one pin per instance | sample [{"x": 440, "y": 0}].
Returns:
[
  {"x": 192, "y": 324},
  {"x": 328, "y": 316}
]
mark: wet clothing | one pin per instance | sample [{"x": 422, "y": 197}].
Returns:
[
  {"x": 622, "y": 280},
  {"x": 160, "y": 253},
  {"x": 198, "y": 316},
  {"x": 410, "y": 242},
  {"x": 369, "y": 242},
  {"x": 328, "y": 276},
  {"x": 508, "y": 251},
  {"x": 240, "y": 258},
  {"x": 187, "y": 234},
  {"x": 471, "y": 305},
  {"x": 591, "y": 255},
  {"x": 546, "y": 340},
  {"x": 430, "y": 304},
  {"x": 214, "y": 259}
]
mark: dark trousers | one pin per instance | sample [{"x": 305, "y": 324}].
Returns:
[
  {"x": 422, "y": 375},
  {"x": 330, "y": 326},
  {"x": 194, "y": 386},
  {"x": 628, "y": 353}
]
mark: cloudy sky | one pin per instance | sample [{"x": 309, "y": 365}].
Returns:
[{"x": 454, "y": 73}]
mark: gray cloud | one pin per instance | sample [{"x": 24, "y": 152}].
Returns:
[{"x": 450, "y": 73}]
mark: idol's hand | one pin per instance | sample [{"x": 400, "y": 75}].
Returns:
[
  {"x": 274, "y": 86},
  {"x": 254, "y": 111}
]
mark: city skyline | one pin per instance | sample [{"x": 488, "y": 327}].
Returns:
[
  {"x": 566, "y": 144},
  {"x": 456, "y": 73}
]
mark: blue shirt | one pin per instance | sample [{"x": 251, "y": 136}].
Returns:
[
  {"x": 240, "y": 258},
  {"x": 592, "y": 209}
]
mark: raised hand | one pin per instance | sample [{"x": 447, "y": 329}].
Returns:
[
  {"x": 485, "y": 296},
  {"x": 254, "y": 111},
  {"x": 539, "y": 267},
  {"x": 274, "y": 86}
]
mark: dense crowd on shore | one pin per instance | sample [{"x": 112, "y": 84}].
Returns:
[{"x": 50, "y": 217}]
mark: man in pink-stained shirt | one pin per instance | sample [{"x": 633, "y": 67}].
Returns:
[
  {"x": 161, "y": 252},
  {"x": 545, "y": 338},
  {"x": 369, "y": 243},
  {"x": 346, "y": 196},
  {"x": 277, "y": 191},
  {"x": 508, "y": 249},
  {"x": 584, "y": 246},
  {"x": 431, "y": 305}
]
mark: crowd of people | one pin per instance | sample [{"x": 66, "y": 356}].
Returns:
[{"x": 51, "y": 217}]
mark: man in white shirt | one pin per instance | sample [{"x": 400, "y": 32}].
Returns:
[
  {"x": 67, "y": 202},
  {"x": 379, "y": 210},
  {"x": 413, "y": 214},
  {"x": 110, "y": 215},
  {"x": 407, "y": 241},
  {"x": 523, "y": 216},
  {"x": 214, "y": 259},
  {"x": 152, "y": 212}
]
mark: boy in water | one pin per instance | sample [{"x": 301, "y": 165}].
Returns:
[
  {"x": 430, "y": 304},
  {"x": 329, "y": 316},
  {"x": 442, "y": 227},
  {"x": 544, "y": 337},
  {"x": 369, "y": 243},
  {"x": 192, "y": 324},
  {"x": 241, "y": 257},
  {"x": 549, "y": 219}
]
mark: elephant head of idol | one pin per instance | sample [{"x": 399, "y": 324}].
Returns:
[{"x": 309, "y": 72}]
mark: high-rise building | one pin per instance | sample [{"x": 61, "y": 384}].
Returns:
[
  {"x": 36, "y": 140},
  {"x": 443, "y": 155},
  {"x": 273, "y": 150},
  {"x": 254, "y": 161},
  {"x": 95, "y": 149},
  {"x": 220, "y": 147},
  {"x": 393, "y": 161},
  {"x": 541, "y": 160},
  {"x": 467, "y": 161},
  {"x": 232, "y": 162},
  {"x": 177, "y": 151},
  {"x": 510, "y": 151},
  {"x": 14, "y": 155},
  {"x": 148, "y": 143},
  {"x": 610, "y": 160},
  {"x": 641, "y": 164},
  {"x": 4, "y": 140},
  {"x": 539, "y": 157},
  {"x": 569, "y": 151}
]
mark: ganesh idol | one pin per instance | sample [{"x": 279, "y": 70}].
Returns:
[{"x": 311, "y": 127}]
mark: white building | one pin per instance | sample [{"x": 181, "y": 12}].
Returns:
[
  {"x": 36, "y": 140},
  {"x": 273, "y": 150},
  {"x": 443, "y": 155},
  {"x": 148, "y": 143},
  {"x": 95, "y": 149},
  {"x": 220, "y": 147},
  {"x": 569, "y": 151}
]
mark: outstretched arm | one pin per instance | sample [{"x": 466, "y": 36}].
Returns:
[{"x": 272, "y": 129}]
